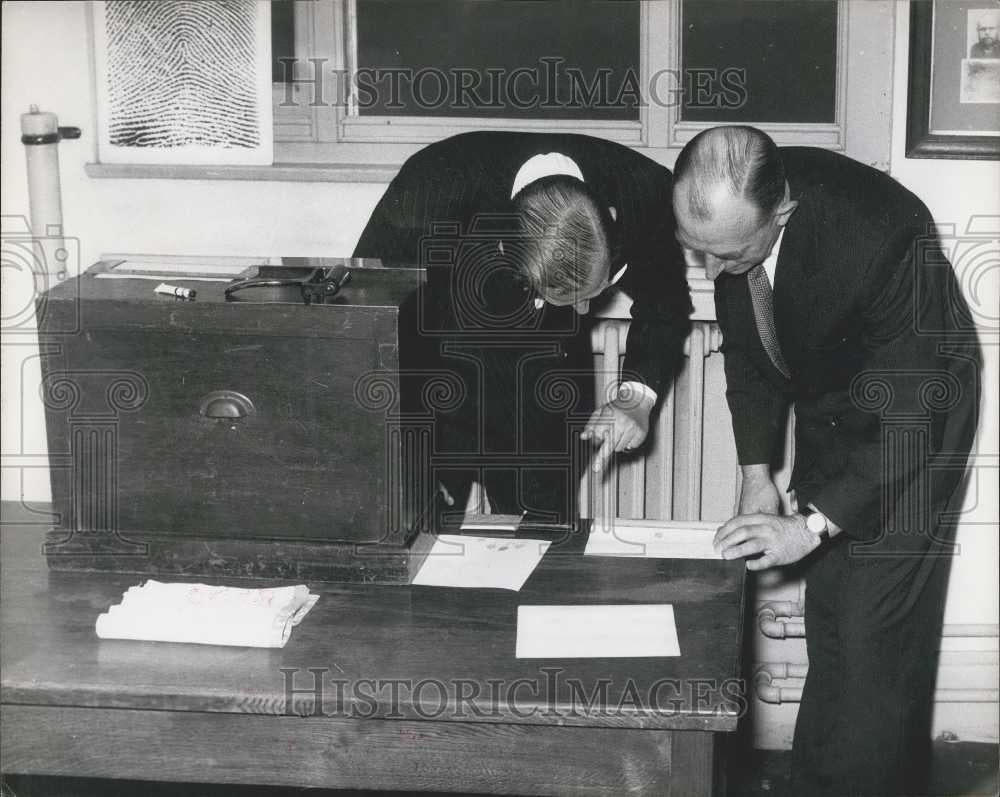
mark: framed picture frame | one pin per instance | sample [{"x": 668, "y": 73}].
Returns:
[
  {"x": 953, "y": 105},
  {"x": 183, "y": 83}
]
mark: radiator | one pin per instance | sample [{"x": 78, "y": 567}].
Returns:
[{"x": 689, "y": 445}]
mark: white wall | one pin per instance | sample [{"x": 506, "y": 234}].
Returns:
[
  {"x": 959, "y": 193},
  {"x": 46, "y": 62},
  {"x": 956, "y": 192}
]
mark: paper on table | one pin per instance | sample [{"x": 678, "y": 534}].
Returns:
[
  {"x": 596, "y": 631},
  {"x": 181, "y": 268},
  {"x": 484, "y": 562},
  {"x": 168, "y": 266},
  {"x": 111, "y": 275},
  {"x": 488, "y": 522},
  {"x": 652, "y": 540},
  {"x": 207, "y": 615}
]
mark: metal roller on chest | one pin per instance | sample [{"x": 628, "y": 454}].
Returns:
[{"x": 234, "y": 438}]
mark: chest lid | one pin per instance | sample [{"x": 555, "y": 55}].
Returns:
[{"x": 120, "y": 293}]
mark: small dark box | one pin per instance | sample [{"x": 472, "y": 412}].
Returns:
[{"x": 240, "y": 438}]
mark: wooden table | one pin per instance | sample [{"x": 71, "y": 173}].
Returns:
[{"x": 419, "y": 687}]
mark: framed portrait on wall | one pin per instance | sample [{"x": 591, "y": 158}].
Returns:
[{"x": 953, "y": 108}]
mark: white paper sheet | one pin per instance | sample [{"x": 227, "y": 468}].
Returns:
[
  {"x": 207, "y": 615},
  {"x": 165, "y": 266},
  {"x": 653, "y": 540},
  {"x": 479, "y": 522},
  {"x": 597, "y": 631},
  {"x": 484, "y": 562},
  {"x": 111, "y": 275}
]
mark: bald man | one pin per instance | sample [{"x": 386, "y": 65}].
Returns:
[{"x": 833, "y": 296}]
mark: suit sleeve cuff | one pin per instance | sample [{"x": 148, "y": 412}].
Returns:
[{"x": 637, "y": 394}]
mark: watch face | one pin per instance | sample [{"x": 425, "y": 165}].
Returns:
[{"x": 816, "y": 522}]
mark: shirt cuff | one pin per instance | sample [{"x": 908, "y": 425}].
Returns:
[{"x": 636, "y": 394}]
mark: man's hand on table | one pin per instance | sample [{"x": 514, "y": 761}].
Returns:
[
  {"x": 621, "y": 424},
  {"x": 781, "y": 539},
  {"x": 758, "y": 529}
]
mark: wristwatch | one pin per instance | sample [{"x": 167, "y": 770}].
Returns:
[{"x": 816, "y": 522}]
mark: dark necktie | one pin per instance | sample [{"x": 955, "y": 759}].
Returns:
[{"x": 763, "y": 311}]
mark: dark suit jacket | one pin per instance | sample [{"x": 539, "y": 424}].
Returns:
[
  {"x": 881, "y": 347},
  {"x": 466, "y": 179}
]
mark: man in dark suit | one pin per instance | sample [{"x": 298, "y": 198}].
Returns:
[
  {"x": 833, "y": 295},
  {"x": 520, "y": 233}
]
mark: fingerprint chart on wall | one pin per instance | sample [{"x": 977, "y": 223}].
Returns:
[{"x": 183, "y": 81}]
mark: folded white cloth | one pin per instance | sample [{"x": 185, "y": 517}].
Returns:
[{"x": 207, "y": 615}]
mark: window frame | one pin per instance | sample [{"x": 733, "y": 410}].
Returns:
[{"x": 335, "y": 133}]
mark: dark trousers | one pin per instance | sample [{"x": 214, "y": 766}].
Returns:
[
  {"x": 872, "y": 633},
  {"x": 524, "y": 388},
  {"x": 518, "y": 426}
]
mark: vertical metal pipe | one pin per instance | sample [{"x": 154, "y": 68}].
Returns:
[
  {"x": 607, "y": 495},
  {"x": 632, "y": 472},
  {"x": 696, "y": 430},
  {"x": 665, "y": 447}
]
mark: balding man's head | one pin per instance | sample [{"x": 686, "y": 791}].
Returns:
[
  {"x": 730, "y": 198},
  {"x": 741, "y": 162}
]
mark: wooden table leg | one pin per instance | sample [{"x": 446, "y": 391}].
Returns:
[{"x": 696, "y": 767}]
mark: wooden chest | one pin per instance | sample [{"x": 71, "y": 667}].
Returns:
[{"x": 233, "y": 438}]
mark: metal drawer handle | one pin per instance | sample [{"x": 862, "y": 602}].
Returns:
[{"x": 226, "y": 404}]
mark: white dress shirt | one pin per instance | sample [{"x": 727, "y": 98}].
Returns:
[{"x": 771, "y": 261}]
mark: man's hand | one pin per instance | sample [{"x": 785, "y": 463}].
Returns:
[
  {"x": 781, "y": 540},
  {"x": 621, "y": 425},
  {"x": 758, "y": 494}
]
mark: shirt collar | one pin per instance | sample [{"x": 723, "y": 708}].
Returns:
[
  {"x": 547, "y": 165},
  {"x": 771, "y": 261}
]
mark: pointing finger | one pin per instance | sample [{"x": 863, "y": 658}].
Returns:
[
  {"x": 603, "y": 455},
  {"x": 593, "y": 425}
]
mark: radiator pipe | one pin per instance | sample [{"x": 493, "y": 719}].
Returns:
[
  {"x": 781, "y": 619},
  {"x": 970, "y": 630},
  {"x": 769, "y": 692}
]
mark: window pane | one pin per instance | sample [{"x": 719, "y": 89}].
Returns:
[
  {"x": 556, "y": 59},
  {"x": 282, "y": 39},
  {"x": 788, "y": 49}
]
